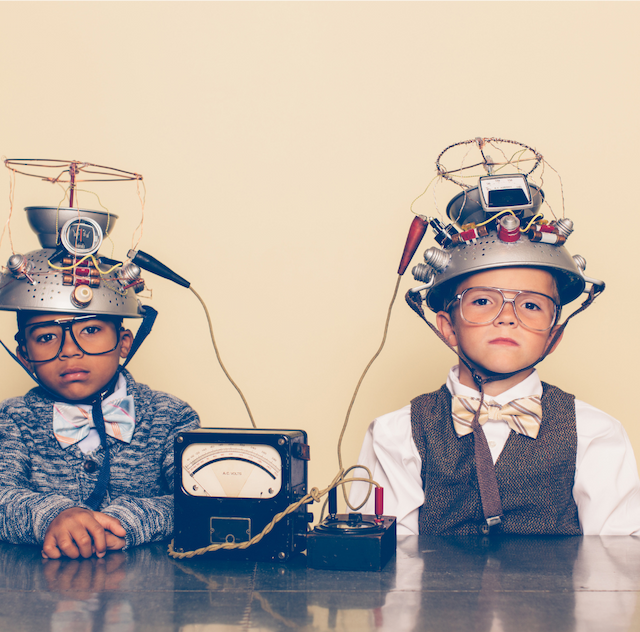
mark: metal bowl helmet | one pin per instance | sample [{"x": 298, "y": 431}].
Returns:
[
  {"x": 489, "y": 241},
  {"x": 65, "y": 276}
]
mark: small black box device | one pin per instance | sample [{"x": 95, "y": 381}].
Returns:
[
  {"x": 352, "y": 542},
  {"x": 230, "y": 483}
]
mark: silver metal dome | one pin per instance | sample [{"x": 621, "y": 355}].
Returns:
[
  {"x": 489, "y": 253},
  {"x": 49, "y": 294}
]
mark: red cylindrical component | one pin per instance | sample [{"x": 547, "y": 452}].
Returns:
[
  {"x": 416, "y": 233},
  {"x": 379, "y": 501},
  {"x": 83, "y": 272},
  {"x": 509, "y": 228}
]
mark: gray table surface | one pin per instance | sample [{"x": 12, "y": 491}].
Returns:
[{"x": 518, "y": 583}]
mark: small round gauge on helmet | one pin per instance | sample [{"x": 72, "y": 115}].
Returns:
[{"x": 81, "y": 236}]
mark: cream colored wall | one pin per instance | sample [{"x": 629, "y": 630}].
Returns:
[{"x": 281, "y": 146}]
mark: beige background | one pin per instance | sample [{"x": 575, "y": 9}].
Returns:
[{"x": 281, "y": 146}]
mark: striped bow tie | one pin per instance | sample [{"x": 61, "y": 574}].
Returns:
[
  {"x": 73, "y": 423},
  {"x": 522, "y": 415}
]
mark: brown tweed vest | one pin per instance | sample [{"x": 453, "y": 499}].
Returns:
[{"x": 535, "y": 477}]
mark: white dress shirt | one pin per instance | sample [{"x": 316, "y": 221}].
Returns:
[{"x": 606, "y": 487}]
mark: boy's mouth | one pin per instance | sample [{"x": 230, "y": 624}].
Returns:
[
  {"x": 509, "y": 342},
  {"x": 73, "y": 374}
]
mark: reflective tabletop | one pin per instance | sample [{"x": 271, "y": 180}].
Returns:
[{"x": 518, "y": 583}]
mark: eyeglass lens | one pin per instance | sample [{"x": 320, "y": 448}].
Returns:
[
  {"x": 480, "y": 306},
  {"x": 94, "y": 337}
]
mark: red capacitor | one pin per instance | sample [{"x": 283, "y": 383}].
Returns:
[
  {"x": 416, "y": 233},
  {"x": 379, "y": 501}
]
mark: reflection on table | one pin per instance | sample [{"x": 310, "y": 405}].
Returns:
[{"x": 505, "y": 584}]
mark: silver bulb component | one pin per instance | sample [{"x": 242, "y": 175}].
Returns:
[
  {"x": 580, "y": 261},
  {"x": 564, "y": 226},
  {"x": 436, "y": 258},
  {"x": 19, "y": 266},
  {"x": 422, "y": 272},
  {"x": 128, "y": 273}
]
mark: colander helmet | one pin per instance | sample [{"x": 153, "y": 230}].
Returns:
[{"x": 507, "y": 239}]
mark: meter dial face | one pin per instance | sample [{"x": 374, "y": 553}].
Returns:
[
  {"x": 231, "y": 470},
  {"x": 498, "y": 191},
  {"x": 81, "y": 236}
]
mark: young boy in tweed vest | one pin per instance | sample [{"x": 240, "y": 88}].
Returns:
[{"x": 496, "y": 449}]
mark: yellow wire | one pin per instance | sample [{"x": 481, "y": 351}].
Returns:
[
  {"x": 95, "y": 263},
  {"x": 533, "y": 219},
  {"x": 427, "y": 188},
  {"x": 495, "y": 217}
]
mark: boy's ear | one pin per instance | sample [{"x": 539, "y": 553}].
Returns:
[
  {"x": 557, "y": 342},
  {"x": 126, "y": 340},
  {"x": 23, "y": 360},
  {"x": 446, "y": 328}
]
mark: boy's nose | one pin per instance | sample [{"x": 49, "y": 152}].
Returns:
[
  {"x": 507, "y": 316},
  {"x": 69, "y": 347}
]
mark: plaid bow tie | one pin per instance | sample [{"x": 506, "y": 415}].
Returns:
[
  {"x": 522, "y": 415},
  {"x": 73, "y": 423}
]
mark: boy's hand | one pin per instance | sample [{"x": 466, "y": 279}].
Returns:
[{"x": 79, "y": 532}]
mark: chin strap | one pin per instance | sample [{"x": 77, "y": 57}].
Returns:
[
  {"x": 149, "y": 316},
  {"x": 485, "y": 469}
]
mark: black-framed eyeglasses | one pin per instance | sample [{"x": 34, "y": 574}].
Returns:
[
  {"x": 482, "y": 305},
  {"x": 44, "y": 341}
]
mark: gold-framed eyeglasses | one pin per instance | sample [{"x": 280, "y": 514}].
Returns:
[{"x": 482, "y": 305}]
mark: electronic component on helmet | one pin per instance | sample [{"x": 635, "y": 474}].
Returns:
[
  {"x": 20, "y": 266},
  {"x": 80, "y": 272},
  {"x": 505, "y": 192},
  {"x": 469, "y": 235},
  {"x": 129, "y": 277},
  {"x": 416, "y": 233},
  {"x": 443, "y": 234},
  {"x": 564, "y": 226},
  {"x": 547, "y": 238},
  {"x": 81, "y": 236},
  {"x": 509, "y": 228},
  {"x": 82, "y": 295}
]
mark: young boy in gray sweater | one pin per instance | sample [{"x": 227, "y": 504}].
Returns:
[{"x": 86, "y": 457}]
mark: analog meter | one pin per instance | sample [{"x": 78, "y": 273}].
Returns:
[
  {"x": 81, "y": 236},
  {"x": 498, "y": 193},
  {"x": 229, "y": 485}
]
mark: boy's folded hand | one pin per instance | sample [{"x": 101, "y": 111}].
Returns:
[{"x": 78, "y": 532}]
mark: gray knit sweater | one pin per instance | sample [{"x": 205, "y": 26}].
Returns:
[{"x": 38, "y": 479}]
